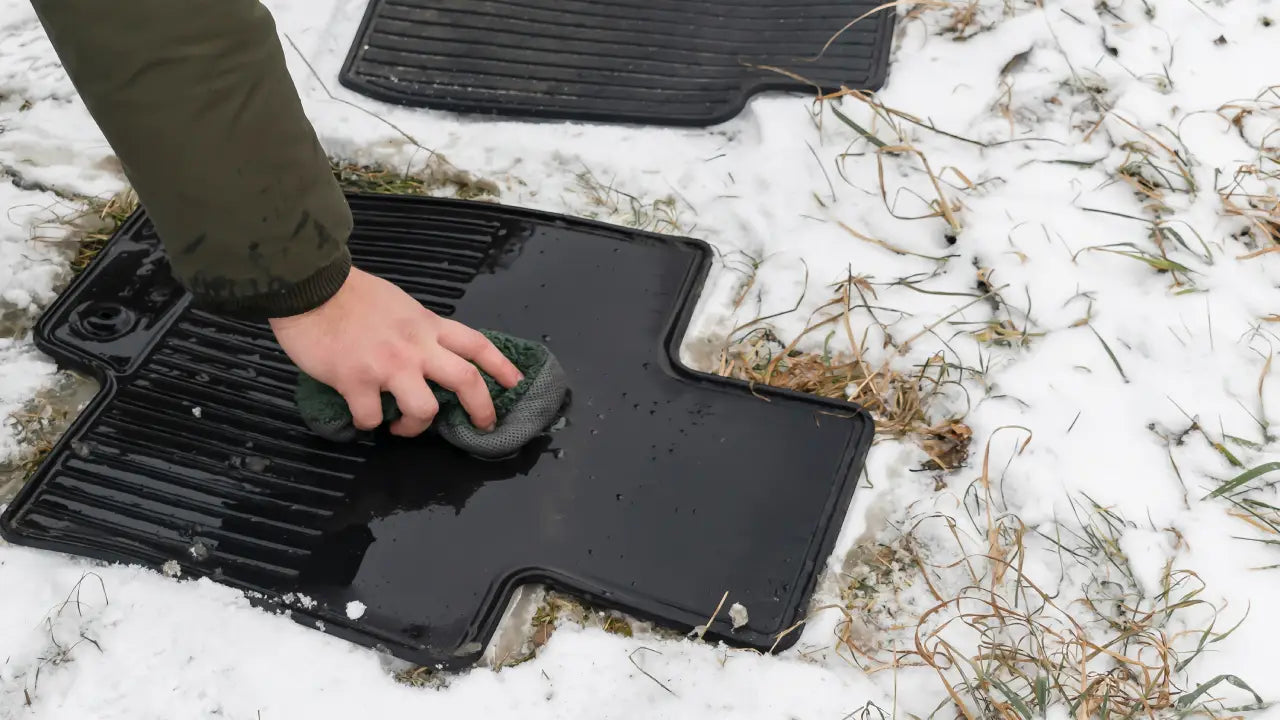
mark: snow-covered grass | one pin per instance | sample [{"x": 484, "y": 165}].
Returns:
[{"x": 1043, "y": 255}]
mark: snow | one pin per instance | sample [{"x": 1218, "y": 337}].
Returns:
[
  {"x": 25, "y": 372},
  {"x": 167, "y": 652},
  {"x": 1032, "y": 164},
  {"x": 355, "y": 610},
  {"x": 31, "y": 262}
]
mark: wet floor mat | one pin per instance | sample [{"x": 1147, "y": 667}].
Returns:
[
  {"x": 660, "y": 491},
  {"x": 672, "y": 62}
]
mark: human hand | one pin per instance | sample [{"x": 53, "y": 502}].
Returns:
[{"x": 371, "y": 336}]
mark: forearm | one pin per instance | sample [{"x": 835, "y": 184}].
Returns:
[{"x": 196, "y": 101}]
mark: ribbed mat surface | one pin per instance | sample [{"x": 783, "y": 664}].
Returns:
[{"x": 676, "y": 62}]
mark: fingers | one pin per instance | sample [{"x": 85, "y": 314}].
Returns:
[
  {"x": 365, "y": 404},
  {"x": 474, "y": 346},
  {"x": 460, "y": 376},
  {"x": 418, "y": 406},
  {"x": 454, "y": 361}
]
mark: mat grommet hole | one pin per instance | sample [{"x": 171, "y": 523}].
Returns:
[{"x": 104, "y": 320}]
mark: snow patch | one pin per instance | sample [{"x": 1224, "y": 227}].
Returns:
[{"x": 355, "y": 610}]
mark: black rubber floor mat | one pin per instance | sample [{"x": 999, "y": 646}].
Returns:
[
  {"x": 671, "y": 62},
  {"x": 662, "y": 490}
]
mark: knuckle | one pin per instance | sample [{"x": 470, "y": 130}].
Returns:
[
  {"x": 467, "y": 337},
  {"x": 424, "y": 407},
  {"x": 372, "y": 367},
  {"x": 407, "y": 328},
  {"x": 390, "y": 357},
  {"x": 471, "y": 376},
  {"x": 392, "y": 354},
  {"x": 368, "y": 372}
]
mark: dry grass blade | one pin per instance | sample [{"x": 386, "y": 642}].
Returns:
[
  {"x": 873, "y": 11},
  {"x": 632, "y": 658},
  {"x": 1263, "y": 215},
  {"x": 945, "y": 208},
  {"x": 888, "y": 246}
]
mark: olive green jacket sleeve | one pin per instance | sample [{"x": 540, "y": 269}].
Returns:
[{"x": 195, "y": 99}]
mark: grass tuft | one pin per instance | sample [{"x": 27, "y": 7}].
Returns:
[
  {"x": 898, "y": 401},
  {"x": 422, "y": 676},
  {"x": 86, "y": 229},
  {"x": 59, "y": 625},
  {"x": 901, "y": 402},
  {"x": 1253, "y": 190},
  {"x": 438, "y": 177},
  {"x": 663, "y": 215},
  {"x": 1006, "y": 642},
  {"x": 557, "y": 609},
  {"x": 110, "y": 215}
]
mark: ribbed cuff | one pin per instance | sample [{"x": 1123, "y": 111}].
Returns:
[{"x": 303, "y": 296}]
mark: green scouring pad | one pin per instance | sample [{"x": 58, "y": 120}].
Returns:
[{"x": 524, "y": 411}]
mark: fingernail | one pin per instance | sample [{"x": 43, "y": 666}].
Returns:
[{"x": 491, "y": 428}]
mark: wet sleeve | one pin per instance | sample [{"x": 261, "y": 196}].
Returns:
[{"x": 196, "y": 101}]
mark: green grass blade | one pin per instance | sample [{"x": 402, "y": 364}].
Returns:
[
  {"x": 1186, "y": 700},
  {"x": 1242, "y": 479},
  {"x": 1110, "y": 354},
  {"x": 1014, "y": 699},
  {"x": 1227, "y": 454},
  {"x": 858, "y": 128},
  {"x": 1155, "y": 261}
]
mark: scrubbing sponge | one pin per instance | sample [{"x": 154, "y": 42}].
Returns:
[{"x": 524, "y": 411}]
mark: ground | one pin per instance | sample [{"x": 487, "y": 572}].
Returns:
[{"x": 1044, "y": 255}]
